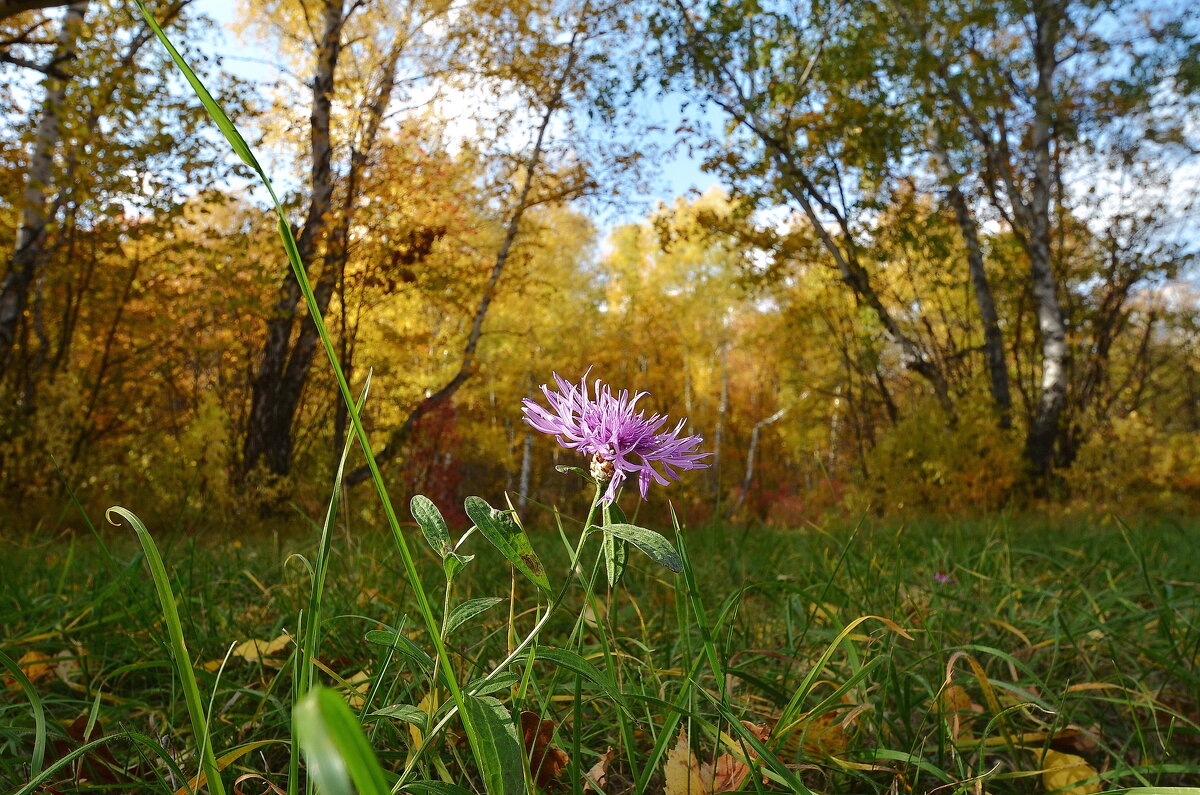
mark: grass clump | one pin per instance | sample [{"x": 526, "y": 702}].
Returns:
[{"x": 1013, "y": 641}]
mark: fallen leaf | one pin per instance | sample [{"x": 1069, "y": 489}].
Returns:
[
  {"x": 729, "y": 771},
  {"x": 257, "y": 651},
  {"x": 598, "y": 773},
  {"x": 36, "y": 666},
  {"x": 66, "y": 664},
  {"x": 429, "y": 705},
  {"x": 359, "y": 683},
  {"x": 545, "y": 761},
  {"x": 683, "y": 773},
  {"x": 1065, "y": 774},
  {"x": 825, "y": 735},
  {"x": 1075, "y": 740}
]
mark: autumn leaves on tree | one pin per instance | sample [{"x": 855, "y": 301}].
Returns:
[{"x": 946, "y": 261}]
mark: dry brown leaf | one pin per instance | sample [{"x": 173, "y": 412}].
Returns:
[
  {"x": 66, "y": 664},
  {"x": 598, "y": 773},
  {"x": 683, "y": 774},
  {"x": 1075, "y": 740},
  {"x": 728, "y": 773},
  {"x": 258, "y": 650},
  {"x": 36, "y": 666},
  {"x": 545, "y": 761},
  {"x": 1064, "y": 774},
  {"x": 268, "y": 787}
]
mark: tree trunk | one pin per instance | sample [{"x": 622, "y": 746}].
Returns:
[
  {"x": 29, "y": 255},
  {"x": 993, "y": 340},
  {"x": 748, "y": 478},
  {"x": 277, "y": 386},
  {"x": 1055, "y": 353}
]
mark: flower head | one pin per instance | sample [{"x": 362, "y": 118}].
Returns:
[{"x": 620, "y": 439}]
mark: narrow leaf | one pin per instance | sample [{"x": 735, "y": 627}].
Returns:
[
  {"x": 616, "y": 550},
  {"x": 340, "y": 761},
  {"x": 405, "y": 712},
  {"x": 572, "y": 661},
  {"x": 434, "y": 788},
  {"x": 403, "y": 645}
]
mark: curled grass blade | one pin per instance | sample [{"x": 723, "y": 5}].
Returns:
[{"x": 179, "y": 652}]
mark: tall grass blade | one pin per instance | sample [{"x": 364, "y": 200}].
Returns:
[{"x": 298, "y": 270}]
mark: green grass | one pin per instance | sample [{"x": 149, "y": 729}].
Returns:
[{"x": 1043, "y": 625}]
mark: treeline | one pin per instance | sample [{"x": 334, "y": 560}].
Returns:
[{"x": 952, "y": 267}]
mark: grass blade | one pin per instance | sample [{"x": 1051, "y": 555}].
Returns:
[
  {"x": 339, "y": 759},
  {"x": 179, "y": 652}
]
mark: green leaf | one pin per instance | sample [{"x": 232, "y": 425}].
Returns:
[
  {"x": 239, "y": 145},
  {"x": 340, "y": 761},
  {"x": 432, "y": 525},
  {"x": 654, "y": 545},
  {"x": 574, "y": 662},
  {"x": 468, "y": 610},
  {"x": 499, "y": 753},
  {"x": 402, "y": 644},
  {"x": 616, "y": 550},
  {"x": 497, "y": 683},
  {"x": 506, "y": 535},
  {"x": 179, "y": 653},
  {"x": 454, "y": 563},
  {"x": 405, "y": 712}
]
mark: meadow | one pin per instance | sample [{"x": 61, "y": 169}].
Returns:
[{"x": 1010, "y": 655}]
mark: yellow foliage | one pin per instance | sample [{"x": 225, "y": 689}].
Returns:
[
  {"x": 926, "y": 464},
  {"x": 1134, "y": 464}
]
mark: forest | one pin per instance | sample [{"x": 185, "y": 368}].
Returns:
[
  {"x": 943, "y": 262},
  {"x": 599, "y": 396}
]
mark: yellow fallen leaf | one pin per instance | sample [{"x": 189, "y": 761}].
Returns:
[
  {"x": 825, "y": 736},
  {"x": 255, "y": 650},
  {"x": 359, "y": 683},
  {"x": 1065, "y": 774},
  {"x": 429, "y": 705},
  {"x": 36, "y": 667},
  {"x": 683, "y": 773}
]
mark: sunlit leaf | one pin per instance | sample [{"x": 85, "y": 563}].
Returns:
[
  {"x": 655, "y": 546},
  {"x": 506, "y": 535}
]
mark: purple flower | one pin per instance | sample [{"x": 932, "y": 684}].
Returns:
[
  {"x": 621, "y": 440},
  {"x": 943, "y": 577}
]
